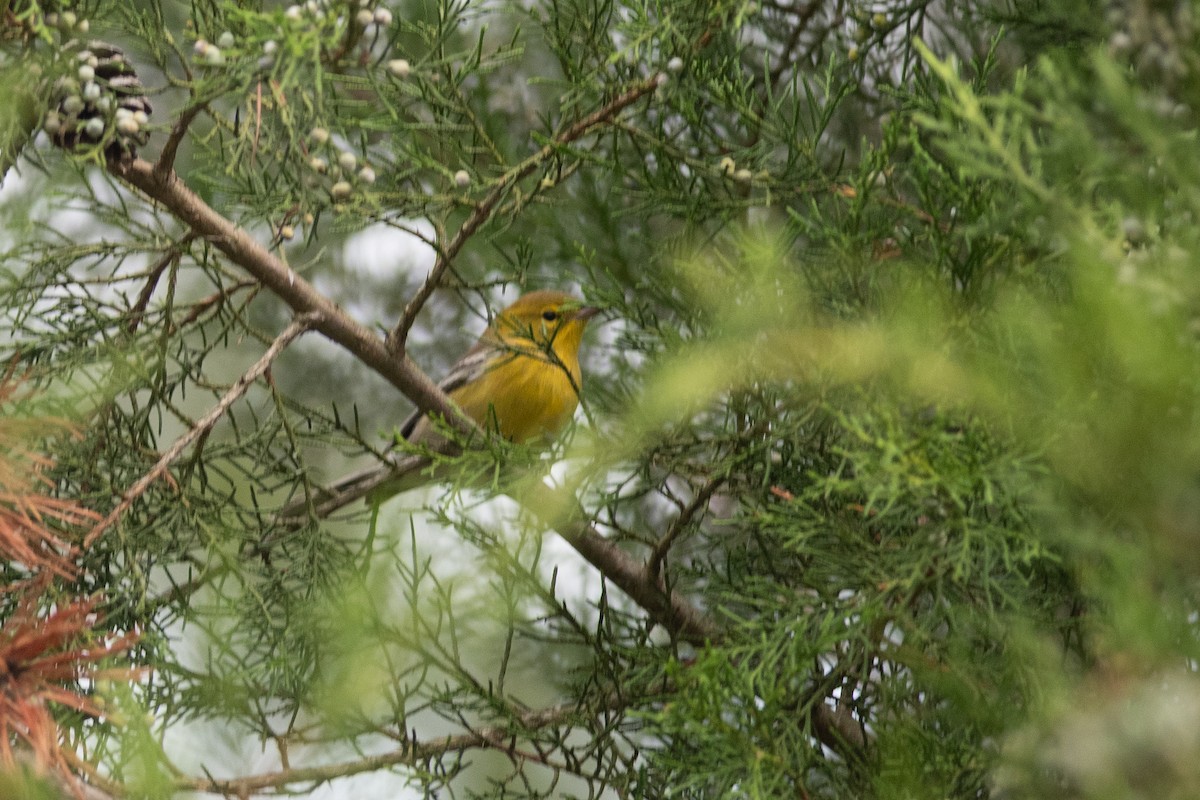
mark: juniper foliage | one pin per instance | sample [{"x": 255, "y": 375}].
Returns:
[{"x": 885, "y": 480}]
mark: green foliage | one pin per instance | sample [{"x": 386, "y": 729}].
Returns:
[{"x": 899, "y": 392}]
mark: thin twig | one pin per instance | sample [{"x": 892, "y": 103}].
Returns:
[
  {"x": 398, "y": 335},
  {"x": 298, "y": 326},
  {"x": 166, "y": 158},
  {"x": 409, "y": 753},
  {"x": 349, "y": 489},
  {"x": 654, "y": 565},
  {"x": 215, "y": 299},
  {"x": 170, "y": 257},
  {"x": 786, "y": 60}
]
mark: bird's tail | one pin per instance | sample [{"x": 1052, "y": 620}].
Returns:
[{"x": 376, "y": 484}]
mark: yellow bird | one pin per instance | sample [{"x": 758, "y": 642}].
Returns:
[{"x": 520, "y": 380}]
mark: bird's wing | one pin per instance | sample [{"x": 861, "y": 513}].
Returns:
[{"x": 473, "y": 364}]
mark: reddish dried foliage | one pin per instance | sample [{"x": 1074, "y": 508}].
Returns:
[
  {"x": 42, "y": 659},
  {"x": 28, "y": 516},
  {"x": 44, "y": 655}
]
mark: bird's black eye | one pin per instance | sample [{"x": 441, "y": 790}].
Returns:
[{"x": 550, "y": 315}]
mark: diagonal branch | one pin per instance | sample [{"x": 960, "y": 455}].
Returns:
[
  {"x": 349, "y": 489},
  {"x": 166, "y": 157},
  {"x": 398, "y": 335},
  {"x": 699, "y": 502},
  {"x": 557, "y": 511},
  {"x": 172, "y": 255},
  {"x": 331, "y": 321},
  {"x": 666, "y": 607}
]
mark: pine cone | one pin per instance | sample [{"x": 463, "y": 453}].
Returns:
[{"x": 104, "y": 102}]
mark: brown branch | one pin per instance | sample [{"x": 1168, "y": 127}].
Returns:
[
  {"x": 398, "y": 335},
  {"x": 204, "y": 424},
  {"x": 299, "y": 294},
  {"x": 215, "y": 299},
  {"x": 166, "y": 158},
  {"x": 170, "y": 257},
  {"x": 640, "y": 583},
  {"x": 803, "y": 17},
  {"x": 349, "y": 489},
  {"x": 667, "y": 608}
]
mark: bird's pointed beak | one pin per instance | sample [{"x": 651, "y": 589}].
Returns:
[{"x": 586, "y": 312}]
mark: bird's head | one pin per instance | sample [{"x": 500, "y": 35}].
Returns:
[{"x": 547, "y": 318}]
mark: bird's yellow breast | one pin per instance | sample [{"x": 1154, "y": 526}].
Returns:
[{"x": 534, "y": 397}]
